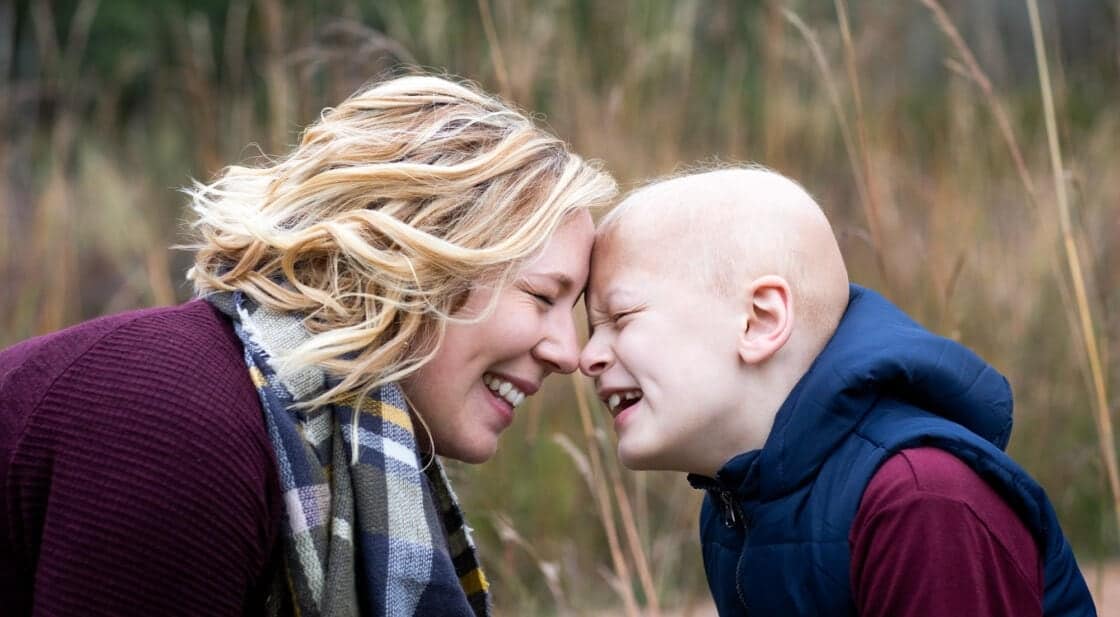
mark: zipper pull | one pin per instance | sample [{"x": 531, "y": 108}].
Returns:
[{"x": 730, "y": 517}]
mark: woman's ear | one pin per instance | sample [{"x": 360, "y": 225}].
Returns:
[{"x": 768, "y": 319}]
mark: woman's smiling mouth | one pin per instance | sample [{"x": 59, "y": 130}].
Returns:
[{"x": 504, "y": 389}]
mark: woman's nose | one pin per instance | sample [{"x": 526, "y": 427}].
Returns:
[{"x": 560, "y": 348}]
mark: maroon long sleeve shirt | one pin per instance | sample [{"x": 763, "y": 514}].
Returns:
[
  {"x": 136, "y": 476},
  {"x": 932, "y": 539}
]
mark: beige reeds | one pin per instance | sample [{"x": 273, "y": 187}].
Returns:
[
  {"x": 977, "y": 75},
  {"x": 495, "y": 49},
  {"x": 277, "y": 79},
  {"x": 634, "y": 542},
  {"x": 1084, "y": 313},
  {"x": 159, "y": 277},
  {"x": 603, "y": 498},
  {"x": 853, "y": 152},
  {"x": 970, "y": 69},
  {"x": 773, "y": 49},
  {"x": 237, "y": 103},
  {"x": 1078, "y": 312},
  {"x": 7, "y": 34},
  {"x": 54, "y": 238},
  {"x": 870, "y": 192},
  {"x": 509, "y": 535},
  {"x": 198, "y": 76}
]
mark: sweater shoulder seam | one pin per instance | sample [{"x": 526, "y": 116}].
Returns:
[{"x": 62, "y": 372}]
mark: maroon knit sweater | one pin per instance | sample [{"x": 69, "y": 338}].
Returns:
[{"x": 136, "y": 474}]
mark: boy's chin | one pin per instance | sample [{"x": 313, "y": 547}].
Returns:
[{"x": 636, "y": 460}]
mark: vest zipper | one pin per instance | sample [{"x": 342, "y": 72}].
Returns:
[{"x": 731, "y": 516}]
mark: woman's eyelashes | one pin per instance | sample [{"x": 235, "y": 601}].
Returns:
[{"x": 544, "y": 298}]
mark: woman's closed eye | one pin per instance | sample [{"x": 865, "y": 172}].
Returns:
[{"x": 543, "y": 298}]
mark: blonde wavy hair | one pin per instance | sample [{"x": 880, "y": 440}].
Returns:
[{"x": 375, "y": 228}]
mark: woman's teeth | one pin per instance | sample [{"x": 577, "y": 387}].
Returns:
[
  {"x": 504, "y": 389},
  {"x": 617, "y": 399}
]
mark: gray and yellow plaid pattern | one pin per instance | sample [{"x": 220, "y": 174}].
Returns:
[{"x": 365, "y": 535}]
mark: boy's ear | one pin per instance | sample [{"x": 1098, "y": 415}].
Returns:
[{"x": 768, "y": 319}]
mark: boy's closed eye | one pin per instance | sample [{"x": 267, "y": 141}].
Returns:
[
  {"x": 618, "y": 316},
  {"x": 614, "y": 318}
]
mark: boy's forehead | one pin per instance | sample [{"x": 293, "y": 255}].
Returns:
[
  {"x": 616, "y": 249},
  {"x": 609, "y": 258},
  {"x": 646, "y": 230},
  {"x": 623, "y": 261}
]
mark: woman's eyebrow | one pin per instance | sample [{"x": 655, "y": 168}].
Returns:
[{"x": 562, "y": 279}]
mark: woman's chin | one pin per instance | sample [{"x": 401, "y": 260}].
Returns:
[{"x": 473, "y": 453}]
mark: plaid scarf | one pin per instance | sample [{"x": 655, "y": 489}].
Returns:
[{"x": 366, "y": 535}]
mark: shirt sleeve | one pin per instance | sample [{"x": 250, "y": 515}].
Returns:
[{"x": 932, "y": 539}]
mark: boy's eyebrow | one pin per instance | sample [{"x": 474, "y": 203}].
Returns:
[
  {"x": 594, "y": 304},
  {"x": 602, "y": 303}
]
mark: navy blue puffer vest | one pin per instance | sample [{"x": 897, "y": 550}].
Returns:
[{"x": 775, "y": 522}]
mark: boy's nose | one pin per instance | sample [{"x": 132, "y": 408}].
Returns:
[{"x": 595, "y": 358}]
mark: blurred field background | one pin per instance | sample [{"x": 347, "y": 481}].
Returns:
[{"x": 976, "y": 190}]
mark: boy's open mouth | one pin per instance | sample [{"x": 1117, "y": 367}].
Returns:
[{"x": 619, "y": 401}]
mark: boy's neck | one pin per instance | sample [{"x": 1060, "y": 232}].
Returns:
[{"x": 747, "y": 424}]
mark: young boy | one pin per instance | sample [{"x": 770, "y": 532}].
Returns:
[{"x": 852, "y": 460}]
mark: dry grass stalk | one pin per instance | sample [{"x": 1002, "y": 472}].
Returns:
[
  {"x": 159, "y": 277},
  {"x": 603, "y": 499},
  {"x": 495, "y": 49},
  {"x": 7, "y": 34},
  {"x": 969, "y": 68},
  {"x": 1104, "y": 420},
  {"x": 509, "y": 535},
  {"x": 869, "y": 194},
  {"x": 54, "y": 238},
  {"x": 1077, "y": 311},
  {"x": 977, "y": 74},
  {"x": 277, "y": 80},
  {"x": 774, "y": 129},
  {"x": 838, "y": 109},
  {"x": 633, "y": 541}
]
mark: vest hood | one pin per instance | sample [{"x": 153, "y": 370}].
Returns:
[{"x": 876, "y": 352}]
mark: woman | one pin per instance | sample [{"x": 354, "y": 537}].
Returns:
[{"x": 389, "y": 291}]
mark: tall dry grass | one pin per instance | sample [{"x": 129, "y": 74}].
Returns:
[{"x": 964, "y": 151}]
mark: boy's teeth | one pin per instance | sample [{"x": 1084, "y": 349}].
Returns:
[
  {"x": 504, "y": 389},
  {"x": 615, "y": 399}
]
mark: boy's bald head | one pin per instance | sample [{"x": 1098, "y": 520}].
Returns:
[
  {"x": 711, "y": 293},
  {"x": 730, "y": 226}
]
